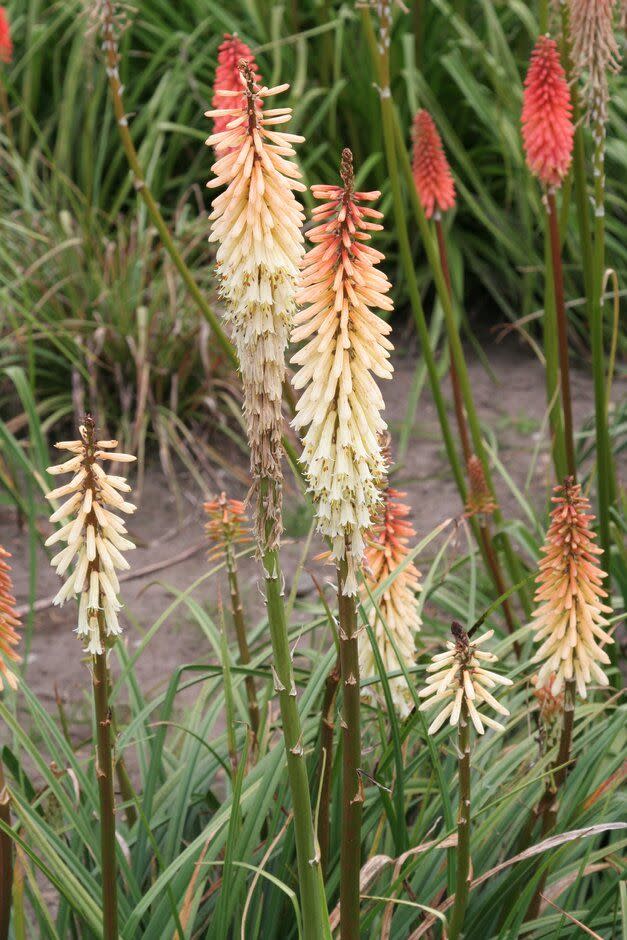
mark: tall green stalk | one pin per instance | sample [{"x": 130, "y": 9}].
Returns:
[
  {"x": 6, "y": 860},
  {"x": 139, "y": 182},
  {"x": 312, "y": 897},
  {"x": 237, "y": 612},
  {"x": 395, "y": 148},
  {"x": 352, "y": 790},
  {"x": 562, "y": 333},
  {"x": 104, "y": 773},
  {"x": 462, "y": 852}
]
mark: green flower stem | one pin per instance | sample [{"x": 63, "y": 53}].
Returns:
[
  {"x": 327, "y": 728},
  {"x": 237, "y": 612},
  {"x": 549, "y": 804},
  {"x": 562, "y": 333},
  {"x": 352, "y": 789},
  {"x": 142, "y": 188},
  {"x": 606, "y": 485},
  {"x": 6, "y": 860},
  {"x": 551, "y": 371},
  {"x": 395, "y": 146},
  {"x": 462, "y": 852},
  {"x": 484, "y": 530},
  {"x": 312, "y": 897},
  {"x": 104, "y": 773}
]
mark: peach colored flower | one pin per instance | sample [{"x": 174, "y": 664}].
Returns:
[
  {"x": 386, "y": 550},
  {"x": 547, "y": 126},
  {"x": 345, "y": 348},
  {"x": 459, "y": 677},
  {"x": 432, "y": 173},
  {"x": 569, "y": 618},
  {"x": 257, "y": 222},
  {"x": 227, "y": 524},
  {"x": 9, "y": 623},
  {"x": 94, "y": 536}
]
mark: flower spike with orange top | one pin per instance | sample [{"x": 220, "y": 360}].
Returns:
[
  {"x": 547, "y": 125},
  {"x": 398, "y": 605},
  {"x": 231, "y": 53},
  {"x": 227, "y": 524},
  {"x": 432, "y": 173},
  {"x": 9, "y": 623},
  {"x": 6, "y": 44},
  {"x": 570, "y": 618},
  {"x": 346, "y": 346},
  {"x": 257, "y": 222}
]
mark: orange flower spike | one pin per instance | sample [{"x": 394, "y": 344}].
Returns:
[
  {"x": 432, "y": 173},
  {"x": 387, "y": 548},
  {"x": 547, "y": 126},
  {"x": 231, "y": 52},
  {"x": 569, "y": 619},
  {"x": 480, "y": 500},
  {"x": 227, "y": 525},
  {"x": 9, "y": 623},
  {"x": 346, "y": 345}
]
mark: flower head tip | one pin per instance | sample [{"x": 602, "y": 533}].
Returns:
[
  {"x": 547, "y": 126},
  {"x": 432, "y": 173}
]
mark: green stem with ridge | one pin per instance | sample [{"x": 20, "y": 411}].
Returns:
[
  {"x": 352, "y": 789},
  {"x": 562, "y": 333},
  {"x": 104, "y": 773},
  {"x": 462, "y": 852},
  {"x": 237, "y": 612},
  {"x": 312, "y": 896}
]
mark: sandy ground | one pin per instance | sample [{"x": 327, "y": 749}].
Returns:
[{"x": 512, "y": 405}]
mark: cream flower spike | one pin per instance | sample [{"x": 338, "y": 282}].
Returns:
[
  {"x": 569, "y": 619},
  {"x": 386, "y": 550},
  {"x": 257, "y": 222},
  {"x": 459, "y": 681},
  {"x": 94, "y": 535},
  {"x": 346, "y": 347}
]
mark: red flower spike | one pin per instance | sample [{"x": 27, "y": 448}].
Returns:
[
  {"x": 6, "y": 44},
  {"x": 232, "y": 51},
  {"x": 547, "y": 127},
  {"x": 432, "y": 173}
]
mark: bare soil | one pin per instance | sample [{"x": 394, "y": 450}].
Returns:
[{"x": 512, "y": 405}]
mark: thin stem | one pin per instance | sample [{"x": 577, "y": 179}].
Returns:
[
  {"x": 6, "y": 860},
  {"x": 562, "y": 333},
  {"x": 327, "y": 728},
  {"x": 486, "y": 538},
  {"x": 352, "y": 789},
  {"x": 104, "y": 773},
  {"x": 605, "y": 477},
  {"x": 142, "y": 188},
  {"x": 549, "y": 804},
  {"x": 462, "y": 881},
  {"x": 4, "y": 108},
  {"x": 312, "y": 896},
  {"x": 237, "y": 612}
]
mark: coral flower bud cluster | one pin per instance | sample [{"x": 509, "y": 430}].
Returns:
[
  {"x": 480, "y": 500},
  {"x": 459, "y": 683},
  {"x": 93, "y": 534},
  {"x": 547, "y": 126},
  {"x": 345, "y": 347},
  {"x": 227, "y": 524},
  {"x": 595, "y": 52},
  {"x": 569, "y": 620},
  {"x": 432, "y": 174},
  {"x": 231, "y": 53},
  {"x": 9, "y": 623},
  {"x": 6, "y": 43},
  {"x": 257, "y": 222},
  {"x": 397, "y": 606}
]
